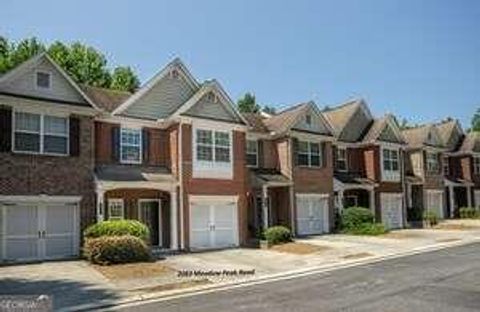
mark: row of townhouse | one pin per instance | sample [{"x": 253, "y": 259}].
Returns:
[{"x": 178, "y": 156}]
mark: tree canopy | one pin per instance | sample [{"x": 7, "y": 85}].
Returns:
[
  {"x": 248, "y": 104},
  {"x": 476, "y": 121},
  {"x": 83, "y": 63}
]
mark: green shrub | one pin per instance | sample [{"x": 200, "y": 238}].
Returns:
[
  {"x": 118, "y": 228},
  {"x": 468, "y": 213},
  {"x": 107, "y": 250},
  {"x": 430, "y": 217},
  {"x": 355, "y": 217},
  {"x": 277, "y": 235},
  {"x": 368, "y": 229}
]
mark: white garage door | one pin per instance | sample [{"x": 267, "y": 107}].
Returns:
[
  {"x": 434, "y": 202},
  {"x": 38, "y": 231},
  {"x": 213, "y": 222},
  {"x": 312, "y": 214},
  {"x": 392, "y": 210}
]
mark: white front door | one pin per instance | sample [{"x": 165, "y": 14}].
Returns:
[
  {"x": 37, "y": 231},
  {"x": 434, "y": 202},
  {"x": 312, "y": 214},
  {"x": 392, "y": 210},
  {"x": 213, "y": 222}
]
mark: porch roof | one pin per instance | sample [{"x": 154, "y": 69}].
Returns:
[
  {"x": 345, "y": 180},
  {"x": 269, "y": 177},
  {"x": 413, "y": 179},
  {"x": 133, "y": 173},
  {"x": 457, "y": 182}
]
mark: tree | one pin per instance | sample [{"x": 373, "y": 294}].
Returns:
[
  {"x": 4, "y": 54},
  {"x": 248, "y": 104},
  {"x": 25, "y": 50},
  {"x": 123, "y": 78},
  {"x": 269, "y": 110},
  {"x": 476, "y": 121}
]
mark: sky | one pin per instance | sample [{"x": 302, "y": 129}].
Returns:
[{"x": 417, "y": 59}]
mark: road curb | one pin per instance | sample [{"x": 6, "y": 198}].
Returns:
[{"x": 175, "y": 294}]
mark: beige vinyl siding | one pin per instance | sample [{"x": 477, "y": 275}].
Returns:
[
  {"x": 355, "y": 127},
  {"x": 207, "y": 108},
  {"x": 417, "y": 163},
  {"x": 317, "y": 125},
  {"x": 24, "y": 83},
  {"x": 163, "y": 99}
]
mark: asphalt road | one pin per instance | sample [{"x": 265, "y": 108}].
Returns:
[{"x": 445, "y": 280}]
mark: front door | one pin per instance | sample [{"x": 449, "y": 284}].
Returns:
[{"x": 149, "y": 214}]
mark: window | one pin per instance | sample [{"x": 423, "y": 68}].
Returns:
[
  {"x": 308, "y": 119},
  {"x": 131, "y": 146},
  {"x": 115, "y": 209},
  {"x": 432, "y": 162},
  {"x": 446, "y": 166},
  {"x": 213, "y": 146},
  {"x": 252, "y": 153},
  {"x": 476, "y": 164},
  {"x": 42, "y": 80},
  {"x": 308, "y": 154},
  {"x": 41, "y": 134},
  {"x": 341, "y": 159},
  {"x": 390, "y": 160}
]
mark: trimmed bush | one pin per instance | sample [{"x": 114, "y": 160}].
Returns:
[
  {"x": 118, "y": 228},
  {"x": 468, "y": 213},
  {"x": 368, "y": 229},
  {"x": 354, "y": 217},
  {"x": 278, "y": 235},
  {"x": 430, "y": 217},
  {"x": 108, "y": 250}
]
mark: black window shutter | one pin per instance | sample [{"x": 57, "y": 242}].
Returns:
[
  {"x": 260, "y": 154},
  {"x": 5, "y": 129},
  {"x": 295, "y": 151},
  {"x": 145, "y": 145},
  {"x": 74, "y": 136},
  {"x": 116, "y": 143}
]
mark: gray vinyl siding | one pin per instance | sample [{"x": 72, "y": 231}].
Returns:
[
  {"x": 355, "y": 127},
  {"x": 163, "y": 99},
  {"x": 454, "y": 139},
  {"x": 209, "y": 109},
  {"x": 24, "y": 83},
  {"x": 388, "y": 135},
  {"x": 317, "y": 125}
]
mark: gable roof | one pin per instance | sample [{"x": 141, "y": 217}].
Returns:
[
  {"x": 379, "y": 125},
  {"x": 176, "y": 63},
  {"x": 446, "y": 129},
  {"x": 286, "y": 119},
  {"x": 340, "y": 117},
  {"x": 418, "y": 137},
  {"x": 32, "y": 63},
  {"x": 106, "y": 99},
  {"x": 256, "y": 122},
  {"x": 471, "y": 142}
]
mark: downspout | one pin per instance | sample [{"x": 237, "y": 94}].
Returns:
[
  {"x": 404, "y": 187},
  {"x": 180, "y": 189}
]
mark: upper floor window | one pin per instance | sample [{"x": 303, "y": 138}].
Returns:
[
  {"x": 390, "y": 160},
  {"x": 308, "y": 154},
  {"x": 40, "y": 134},
  {"x": 341, "y": 159},
  {"x": 43, "y": 80},
  {"x": 213, "y": 146},
  {"x": 476, "y": 164},
  {"x": 432, "y": 162},
  {"x": 252, "y": 153},
  {"x": 130, "y": 146},
  {"x": 446, "y": 166}
]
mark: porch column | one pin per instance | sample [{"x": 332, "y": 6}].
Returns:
[
  {"x": 340, "y": 201},
  {"x": 452, "y": 201},
  {"x": 372, "y": 202},
  {"x": 265, "y": 205},
  {"x": 292, "y": 209},
  {"x": 469, "y": 196},
  {"x": 173, "y": 221},
  {"x": 100, "y": 205}
]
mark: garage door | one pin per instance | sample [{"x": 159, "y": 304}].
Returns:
[
  {"x": 213, "y": 222},
  {"x": 312, "y": 214},
  {"x": 38, "y": 231},
  {"x": 392, "y": 210},
  {"x": 434, "y": 202}
]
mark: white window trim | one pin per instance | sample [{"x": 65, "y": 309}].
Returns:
[
  {"x": 41, "y": 133},
  {"x": 309, "y": 154},
  {"x": 115, "y": 200},
  {"x": 390, "y": 175},
  {"x": 36, "y": 86},
  {"x": 343, "y": 159},
  {"x": 140, "y": 146},
  {"x": 212, "y": 169},
  {"x": 256, "y": 153},
  {"x": 432, "y": 162}
]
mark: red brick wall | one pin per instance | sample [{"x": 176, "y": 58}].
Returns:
[
  {"x": 371, "y": 157},
  {"x": 54, "y": 175},
  {"x": 195, "y": 186},
  {"x": 270, "y": 155}
]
